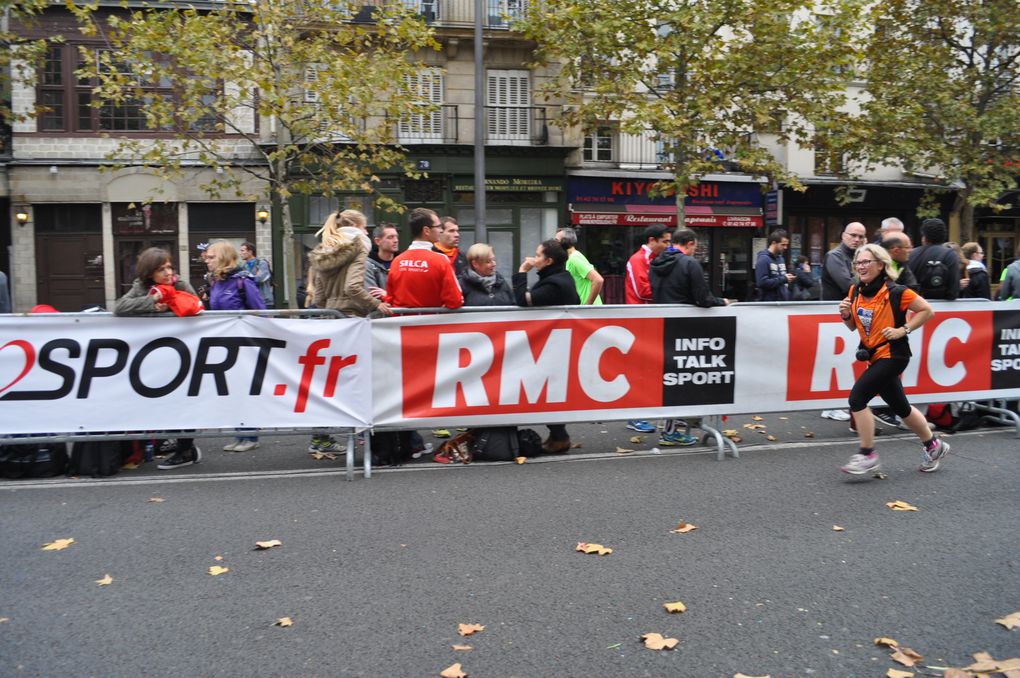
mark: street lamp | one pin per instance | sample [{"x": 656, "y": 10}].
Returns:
[
  {"x": 22, "y": 217},
  {"x": 262, "y": 216}
]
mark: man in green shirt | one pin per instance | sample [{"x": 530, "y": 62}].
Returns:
[{"x": 586, "y": 279}]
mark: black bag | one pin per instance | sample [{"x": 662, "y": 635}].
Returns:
[
  {"x": 499, "y": 443},
  {"x": 32, "y": 461},
  {"x": 98, "y": 458},
  {"x": 529, "y": 443},
  {"x": 391, "y": 448},
  {"x": 933, "y": 275}
]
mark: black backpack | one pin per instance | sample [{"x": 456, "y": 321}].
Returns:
[
  {"x": 933, "y": 273},
  {"x": 529, "y": 443},
  {"x": 32, "y": 461},
  {"x": 98, "y": 458}
]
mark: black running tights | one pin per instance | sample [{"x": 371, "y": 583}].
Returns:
[{"x": 882, "y": 378}]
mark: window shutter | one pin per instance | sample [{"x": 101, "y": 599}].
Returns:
[
  {"x": 424, "y": 87},
  {"x": 508, "y": 97}
]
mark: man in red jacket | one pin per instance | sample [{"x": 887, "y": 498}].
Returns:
[
  {"x": 419, "y": 276},
  {"x": 656, "y": 239}
]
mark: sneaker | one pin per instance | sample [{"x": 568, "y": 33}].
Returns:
[
  {"x": 836, "y": 415},
  {"x": 441, "y": 433},
  {"x": 641, "y": 426},
  {"x": 417, "y": 454},
  {"x": 677, "y": 439},
  {"x": 860, "y": 464},
  {"x": 168, "y": 446},
  {"x": 180, "y": 458},
  {"x": 930, "y": 462},
  {"x": 246, "y": 445},
  {"x": 325, "y": 444},
  {"x": 232, "y": 446},
  {"x": 888, "y": 418}
]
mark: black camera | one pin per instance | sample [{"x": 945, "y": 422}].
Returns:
[{"x": 864, "y": 354}]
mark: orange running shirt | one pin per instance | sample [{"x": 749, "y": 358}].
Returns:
[{"x": 875, "y": 314}]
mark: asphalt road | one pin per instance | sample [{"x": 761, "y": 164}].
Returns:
[{"x": 376, "y": 575}]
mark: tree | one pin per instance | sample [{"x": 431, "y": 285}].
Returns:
[
  {"x": 699, "y": 75},
  {"x": 943, "y": 98},
  {"x": 294, "y": 93}
]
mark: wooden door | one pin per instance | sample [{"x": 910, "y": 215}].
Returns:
[{"x": 69, "y": 270}]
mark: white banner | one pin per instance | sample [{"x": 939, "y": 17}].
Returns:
[
  {"x": 535, "y": 366},
  {"x": 100, "y": 373}
]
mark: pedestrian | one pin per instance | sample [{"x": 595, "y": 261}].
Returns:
[
  {"x": 448, "y": 243},
  {"x": 587, "y": 280},
  {"x": 936, "y": 266},
  {"x": 481, "y": 283},
  {"x": 980, "y": 286},
  {"x": 337, "y": 273},
  {"x": 676, "y": 277},
  {"x": 555, "y": 287},
  {"x": 876, "y": 308},
  {"x": 837, "y": 276},
  {"x": 385, "y": 245},
  {"x": 260, "y": 271},
  {"x": 899, "y": 247},
  {"x": 232, "y": 288},
  {"x": 803, "y": 288},
  {"x": 155, "y": 267},
  {"x": 655, "y": 239},
  {"x": 770, "y": 274},
  {"x": 1010, "y": 279},
  {"x": 419, "y": 276}
]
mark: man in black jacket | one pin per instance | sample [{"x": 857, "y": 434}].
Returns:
[
  {"x": 555, "y": 287},
  {"x": 936, "y": 267},
  {"x": 677, "y": 277}
]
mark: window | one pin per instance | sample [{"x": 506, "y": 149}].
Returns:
[
  {"x": 508, "y": 100},
  {"x": 503, "y": 12},
  {"x": 425, "y": 87},
  {"x": 663, "y": 152},
  {"x": 598, "y": 145},
  {"x": 428, "y": 9}
]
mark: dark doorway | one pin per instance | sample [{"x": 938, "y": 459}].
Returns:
[{"x": 69, "y": 256}]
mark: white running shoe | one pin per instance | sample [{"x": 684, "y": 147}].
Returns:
[
  {"x": 860, "y": 464},
  {"x": 231, "y": 446},
  {"x": 246, "y": 446},
  {"x": 836, "y": 415},
  {"x": 931, "y": 460}
]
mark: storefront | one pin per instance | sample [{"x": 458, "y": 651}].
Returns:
[{"x": 611, "y": 213}]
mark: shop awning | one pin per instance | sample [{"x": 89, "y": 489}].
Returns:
[{"x": 587, "y": 218}]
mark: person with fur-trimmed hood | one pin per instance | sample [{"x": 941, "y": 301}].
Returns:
[{"x": 338, "y": 266}]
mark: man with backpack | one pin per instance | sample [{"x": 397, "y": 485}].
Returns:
[
  {"x": 936, "y": 267},
  {"x": 260, "y": 270}
]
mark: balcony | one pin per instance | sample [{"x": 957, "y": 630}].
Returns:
[
  {"x": 453, "y": 13},
  {"x": 438, "y": 127},
  {"x": 516, "y": 125}
]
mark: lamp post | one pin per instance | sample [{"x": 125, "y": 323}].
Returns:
[{"x": 481, "y": 235}]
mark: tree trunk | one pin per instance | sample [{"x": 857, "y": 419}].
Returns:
[
  {"x": 961, "y": 218},
  {"x": 287, "y": 241}
]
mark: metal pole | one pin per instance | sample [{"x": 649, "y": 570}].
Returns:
[{"x": 481, "y": 234}]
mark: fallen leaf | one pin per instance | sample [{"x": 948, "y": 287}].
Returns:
[
  {"x": 613, "y": 646},
  {"x": 1010, "y": 621},
  {"x": 757, "y": 418},
  {"x": 584, "y": 547},
  {"x": 763, "y": 432},
  {"x": 105, "y": 581},
  {"x": 656, "y": 641},
  {"x": 637, "y": 440},
  {"x": 317, "y": 456},
  {"x": 675, "y": 607},
  {"x": 623, "y": 450},
  {"x": 736, "y": 439},
  {"x": 218, "y": 558},
  {"x": 730, "y": 432},
  {"x": 284, "y": 621},
  {"x": 130, "y": 467},
  {"x": 58, "y": 545},
  {"x": 896, "y": 673},
  {"x": 770, "y": 437},
  {"x": 575, "y": 446},
  {"x": 462, "y": 648},
  {"x": 684, "y": 528},
  {"x": 901, "y": 506},
  {"x": 520, "y": 460},
  {"x": 905, "y": 656},
  {"x": 216, "y": 570},
  {"x": 784, "y": 418},
  {"x": 956, "y": 673},
  {"x": 263, "y": 545},
  {"x": 453, "y": 671},
  {"x": 837, "y": 528},
  {"x": 156, "y": 500},
  {"x": 4, "y": 619},
  {"x": 469, "y": 629},
  {"x": 809, "y": 434}
]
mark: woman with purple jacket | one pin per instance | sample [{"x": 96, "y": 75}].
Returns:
[{"x": 231, "y": 288}]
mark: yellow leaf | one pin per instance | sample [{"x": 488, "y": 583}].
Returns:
[
  {"x": 520, "y": 460},
  {"x": 218, "y": 559},
  {"x": 453, "y": 671},
  {"x": 462, "y": 648},
  {"x": 675, "y": 607},
  {"x": 130, "y": 467},
  {"x": 156, "y": 500},
  {"x": 623, "y": 450},
  {"x": 896, "y": 673},
  {"x": 882, "y": 641},
  {"x": 216, "y": 570},
  {"x": 757, "y": 418},
  {"x": 729, "y": 432},
  {"x": 284, "y": 621},
  {"x": 837, "y": 528},
  {"x": 1010, "y": 621},
  {"x": 684, "y": 528},
  {"x": 105, "y": 581},
  {"x": 956, "y": 673},
  {"x": 262, "y": 545},
  {"x": 770, "y": 437},
  {"x": 736, "y": 439},
  {"x": 637, "y": 440},
  {"x": 318, "y": 456},
  {"x": 584, "y": 547},
  {"x": 900, "y": 506},
  {"x": 656, "y": 641},
  {"x": 905, "y": 656},
  {"x": 58, "y": 545},
  {"x": 469, "y": 629}
]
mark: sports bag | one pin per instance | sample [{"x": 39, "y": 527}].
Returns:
[
  {"x": 32, "y": 461},
  {"x": 98, "y": 458},
  {"x": 529, "y": 442},
  {"x": 933, "y": 274}
]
